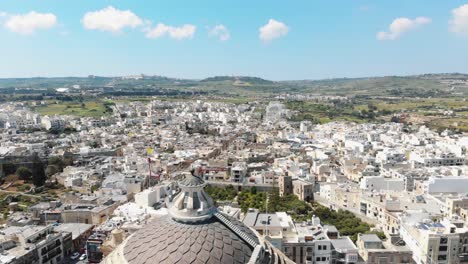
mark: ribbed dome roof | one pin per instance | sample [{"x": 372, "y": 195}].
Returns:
[
  {"x": 195, "y": 232},
  {"x": 167, "y": 241}
]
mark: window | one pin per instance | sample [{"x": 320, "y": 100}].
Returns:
[
  {"x": 324, "y": 247},
  {"x": 383, "y": 260},
  {"x": 324, "y": 258},
  {"x": 186, "y": 196},
  {"x": 196, "y": 201},
  {"x": 320, "y": 247},
  {"x": 443, "y": 248},
  {"x": 443, "y": 240},
  {"x": 442, "y": 257}
]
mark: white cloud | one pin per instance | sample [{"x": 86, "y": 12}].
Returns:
[
  {"x": 161, "y": 30},
  {"x": 111, "y": 19},
  {"x": 459, "y": 21},
  {"x": 27, "y": 24},
  {"x": 3, "y": 14},
  {"x": 221, "y": 32},
  {"x": 402, "y": 25},
  {"x": 273, "y": 29}
]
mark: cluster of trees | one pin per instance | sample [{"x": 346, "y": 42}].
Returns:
[
  {"x": 288, "y": 203},
  {"x": 56, "y": 164},
  {"x": 335, "y": 110},
  {"x": 345, "y": 221},
  {"x": 37, "y": 172},
  {"x": 253, "y": 199},
  {"x": 221, "y": 194}
]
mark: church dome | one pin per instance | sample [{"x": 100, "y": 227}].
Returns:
[
  {"x": 195, "y": 232},
  {"x": 168, "y": 241}
]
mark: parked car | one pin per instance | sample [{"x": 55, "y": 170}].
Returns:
[
  {"x": 75, "y": 256},
  {"x": 83, "y": 257}
]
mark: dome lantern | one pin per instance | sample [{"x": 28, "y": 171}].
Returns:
[{"x": 192, "y": 204}]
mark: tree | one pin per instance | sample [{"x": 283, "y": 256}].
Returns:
[
  {"x": 253, "y": 190},
  {"x": 395, "y": 119},
  {"x": 51, "y": 170},
  {"x": 57, "y": 162},
  {"x": 38, "y": 174},
  {"x": 24, "y": 173},
  {"x": 9, "y": 168},
  {"x": 372, "y": 107}
]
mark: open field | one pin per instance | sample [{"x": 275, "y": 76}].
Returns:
[
  {"x": 324, "y": 113},
  {"x": 459, "y": 123},
  {"x": 437, "y": 113},
  {"x": 423, "y": 104},
  {"x": 85, "y": 109}
]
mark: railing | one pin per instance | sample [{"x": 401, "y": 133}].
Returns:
[
  {"x": 236, "y": 230},
  {"x": 52, "y": 255},
  {"x": 49, "y": 248}
]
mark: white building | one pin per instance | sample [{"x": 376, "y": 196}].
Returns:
[
  {"x": 446, "y": 185},
  {"x": 431, "y": 242},
  {"x": 378, "y": 183}
]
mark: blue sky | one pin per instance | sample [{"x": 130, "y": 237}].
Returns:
[{"x": 309, "y": 39}]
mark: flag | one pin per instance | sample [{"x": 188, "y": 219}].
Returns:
[{"x": 149, "y": 151}]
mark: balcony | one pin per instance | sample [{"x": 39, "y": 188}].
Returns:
[
  {"x": 52, "y": 255},
  {"x": 50, "y": 247}
]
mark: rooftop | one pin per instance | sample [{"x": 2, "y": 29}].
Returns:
[
  {"x": 370, "y": 238},
  {"x": 343, "y": 244},
  {"x": 77, "y": 229}
]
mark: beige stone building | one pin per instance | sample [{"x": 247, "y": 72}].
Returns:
[{"x": 373, "y": 250}]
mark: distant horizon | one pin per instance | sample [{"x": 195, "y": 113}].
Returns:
[{"x": 254, "y": 76}]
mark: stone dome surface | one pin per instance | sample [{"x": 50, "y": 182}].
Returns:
[
  {"x": 165, "y": 240},
  {"x": 194, "y": 231}
]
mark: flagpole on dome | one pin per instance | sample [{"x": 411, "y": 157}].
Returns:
[{"x": 149, "y": 151}]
